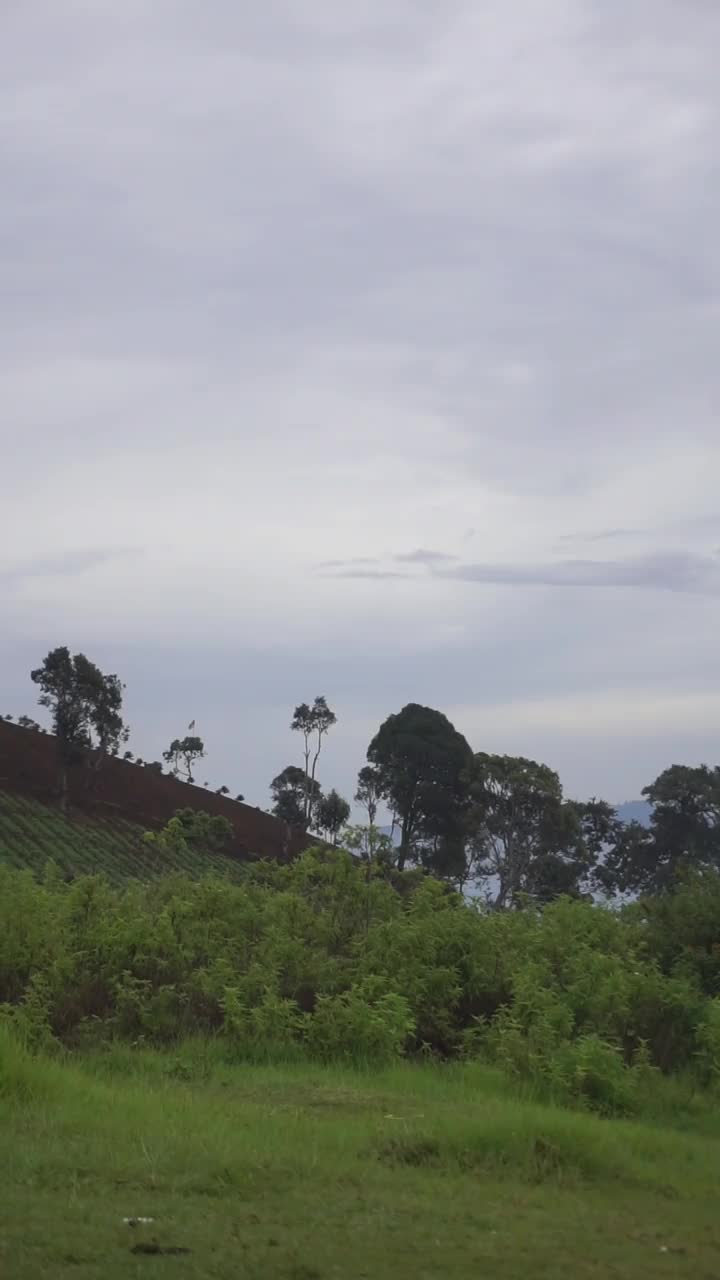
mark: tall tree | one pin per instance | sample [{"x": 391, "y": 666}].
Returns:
[
  {"x": 185, "y": 751},
  {"x": 332, "y": 815},
  {"x": 313, "y": 722},
  {"x": 86, "y": 709},
  {"x": 369, "y": 791},
  {"x": 524, "y": 838},
  {"x": 684, "y": 833},
  {"x": 421, "y": 761},
  {"x": 289, "y": 793}
]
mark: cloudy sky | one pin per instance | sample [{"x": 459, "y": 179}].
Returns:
[{"x": 367, "y": 349}]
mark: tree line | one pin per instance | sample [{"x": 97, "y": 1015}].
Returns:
[{"x": 498, "y": 823}]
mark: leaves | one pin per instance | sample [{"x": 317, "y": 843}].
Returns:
[
  {"x": 85, "y": 705},
  {"x": 185, "y": 751},
  {"x": 332, "y": 814},
  {"x": 289, "y": 791},
  {"x": 313, "y": 723},
  {"x": 420, "y": 761}
]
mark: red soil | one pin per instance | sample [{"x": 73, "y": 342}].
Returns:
[{"x": 28, "y": 764}]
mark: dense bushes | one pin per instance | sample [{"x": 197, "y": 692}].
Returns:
[{"x": 327, "y": 959}]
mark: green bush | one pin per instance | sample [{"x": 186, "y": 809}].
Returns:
[
  {"x": 326, "y": 958},
  {"x": 364, "y": 1024}
]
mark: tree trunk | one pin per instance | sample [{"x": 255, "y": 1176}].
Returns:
[
  {"x": 63, "y": 780},
  {"x": 404, "y": 847},
  {"x": 311, "y": 784}
]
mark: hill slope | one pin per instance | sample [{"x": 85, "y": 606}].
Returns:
[
  {"x": 28, "y": 767},
  {"x": 33, "y": 833}
]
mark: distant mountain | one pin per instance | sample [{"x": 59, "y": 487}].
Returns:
[{"x": 635, "y": 811}]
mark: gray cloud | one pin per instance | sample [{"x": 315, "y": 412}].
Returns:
[
  {"x": 349, "y": 572},
  {"x": 604, "y": 535},
  {"x": 65, "y": 563},
  {"x": 343, "y": 564},
  {"x": 663, "y": 571},
  {"x": 422, "y": 556},
  {"x": 290, "y": 280},
  {"x": 372, "y": 566}
]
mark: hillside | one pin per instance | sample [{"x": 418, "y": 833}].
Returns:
[
  {"x": 126, "y": 793},
  {"x": 33, "y": 833}
]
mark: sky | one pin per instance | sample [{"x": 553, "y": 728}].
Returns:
[{"x": 367, "y": 350}]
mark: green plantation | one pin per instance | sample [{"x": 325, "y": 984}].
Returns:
[{"x": 32, "y": 833}]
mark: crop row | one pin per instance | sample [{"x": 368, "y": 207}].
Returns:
[{"x": 32, "y": 833}]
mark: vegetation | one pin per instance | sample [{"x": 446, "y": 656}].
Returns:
[
  {"x": 332, "y": 815},
  {"x": 522, "y": 833},
  {"x": 420, "y": 762},
  {"x": 369, "y": 792},
  {"x": 85, "y": 707},
  {"x": 289, "y": 791},
  {"x": 498, "y": 825},
  {"x": 185, "y": 751},
  {"x": 333, "y": 959},
  {"x": 343, "y": 1064},
  {"x": 33, "y": 834},
  {"x": 304, "y": 1174},
  {"x": 313, "y": 723}
]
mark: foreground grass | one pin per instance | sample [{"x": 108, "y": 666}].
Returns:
[{"x": 303, "y": 1173}]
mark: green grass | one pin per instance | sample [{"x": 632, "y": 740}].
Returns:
[
  {"x": 301, "y": 1172},
  {"x": 33, "y": 833}
]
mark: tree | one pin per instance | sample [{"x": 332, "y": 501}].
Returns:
[
  {"x": 684, "y": 833},
  {"x": 85, "y": 706},
  {"x": 332, "y": 815},
  {"x": 25, "y": 722},
  {"x": 186, "y": 751},
  {"x": 239, "y": 797},
  {"x": 369, "y": 791},
  {"x": 223, "y": 791},
  {"x": 524, "y": 838},
  {"x": 313, "y": 723},
  {"x": 192, "y": 829},
  {"x": 370, "y": 844},
  {"x": 289, "y": 793},
  {"x": 421, "y": 762}
]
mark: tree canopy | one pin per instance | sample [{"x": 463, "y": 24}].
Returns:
[
  {"x": 369, "y": 791},
  {"x": 313, "y": 722},
  {"x": 525, "y": 838},
  {"x": 85, "y": 706},
  {"x": 421, "y": 762},
  {"x": 332, "y": 815},
  {"x": 185, "y": 751},
  {"x": 289, "y": 794}
]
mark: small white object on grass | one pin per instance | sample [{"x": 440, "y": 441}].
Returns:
[{"x": 137, "y": 1222}]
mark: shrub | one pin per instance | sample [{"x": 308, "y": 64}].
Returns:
[{"x": 324, "y": 956}]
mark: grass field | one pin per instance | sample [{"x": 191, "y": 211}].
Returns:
[
  {"x": 32, "y": 833},
  {"x": 304, "y": 1173}
]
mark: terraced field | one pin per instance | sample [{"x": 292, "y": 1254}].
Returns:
[{"x": 33, "y": 833}]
